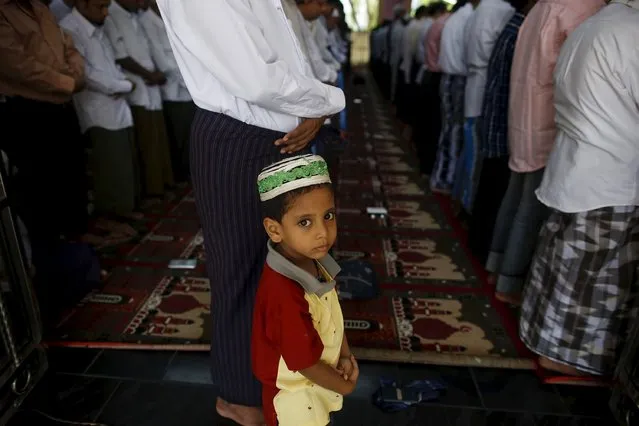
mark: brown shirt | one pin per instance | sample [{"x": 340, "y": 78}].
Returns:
[{"x": 37, "y": 59}]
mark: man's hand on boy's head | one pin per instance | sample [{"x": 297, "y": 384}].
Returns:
[{"x": 301, "y": 136}]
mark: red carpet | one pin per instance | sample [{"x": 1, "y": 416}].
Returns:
[{"x": 435, "y": 306}]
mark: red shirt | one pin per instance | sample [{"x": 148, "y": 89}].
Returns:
[{"x": 282, "y": 329}]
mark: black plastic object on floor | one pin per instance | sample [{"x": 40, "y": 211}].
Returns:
[
  {"x": 392, "y": 396},
  {"x": 357, "y": 281}
]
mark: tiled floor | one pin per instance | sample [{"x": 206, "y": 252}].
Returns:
[{"x": 123, "y": 388}]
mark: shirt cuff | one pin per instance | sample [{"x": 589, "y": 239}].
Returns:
[{"x": 123, "y": 86}]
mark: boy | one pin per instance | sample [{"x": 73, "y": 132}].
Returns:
[{"x": 300, "y": 353}]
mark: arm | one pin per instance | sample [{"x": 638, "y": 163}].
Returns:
[
  {"x": 345, "y": 351},
  {"x": 75, "y": 60},
  {"x": 99, "y": 81},
  {"x": 488, "y": 35},
  {"x": 228, "y": 40},
  {"x": 20, "y": 67},
  {"x": 321, "y": 68},
  {"x": 122, "y": 57},
  {"x": 327, "y": 377}
]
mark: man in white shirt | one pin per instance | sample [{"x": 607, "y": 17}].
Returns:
[
  {"x": 452, "y": 60},
  {"x": 257, "y": 102},
  {"x": 301, "y": 13},
  {"x": 396, "y": 37},
  {"x": 581, "y": 292},
  {"x": 319, "y": 29},
  {"x": 482, "y": 30},
  {"x": 133, "y": 54},
  {"x": 61, "y": 8},
  {"x": 178, "y": 106},
  {"x": 406, "y": 98},
  {"x": 102, "y": 110}
]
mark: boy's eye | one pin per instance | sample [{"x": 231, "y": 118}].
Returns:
[
  {"x": 305, "y": 223},
  {"x": 329, "y": 216}
]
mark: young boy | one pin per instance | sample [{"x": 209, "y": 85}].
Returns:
[{"x": 300, "y": 353}]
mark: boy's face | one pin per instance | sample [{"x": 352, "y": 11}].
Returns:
[{"x": 308, "y": 230}]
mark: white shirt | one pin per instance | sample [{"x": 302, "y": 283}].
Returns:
[
  {"x": 320, "y": 32},
  {"x": 396, "y": 37},
  {"x": 411, "y": 37},
  {"x": 420, "y": 49},
  {"x": 128, "y": 40},
  {"x": 174, "y": 89},
  {"x": 336, "y": 46},
  {"x": 482, "y": 30},
  {"x": 96, "y": 106},
  {"x": 320, "y": 69},
  {"x": 241, "y": 58},
  {"x": 59, "y": 9},
  {"x": 453, "y": 45},
  {"x": 595, "y": 161}
]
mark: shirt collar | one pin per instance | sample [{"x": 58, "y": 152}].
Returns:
[
  {"x": 87, "y": 26},
  {"x": 309, "y": 283},
  {"x": 630, "y": 3}
]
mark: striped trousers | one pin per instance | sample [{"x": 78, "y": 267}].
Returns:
[
  {"x": 451, "y": 137},
  {"x": 226, "y": 157}
]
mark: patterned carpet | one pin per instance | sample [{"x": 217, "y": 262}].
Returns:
[{"x": 435, "y": 305}]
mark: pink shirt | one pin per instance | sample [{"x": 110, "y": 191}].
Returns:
[
  {"x": 531, "y": 121},
  {"x": 433, "y": 43}
]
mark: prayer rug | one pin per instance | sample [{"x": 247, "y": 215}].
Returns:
[{"x": 435, "y": 306}]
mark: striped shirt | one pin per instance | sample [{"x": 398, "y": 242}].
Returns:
[{"x": 494, "y": 137}]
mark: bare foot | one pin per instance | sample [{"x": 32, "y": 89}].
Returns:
[
  {"x": 548, "y": 364},
  {"x": 240, "y": 414},
  {"x": 510, "y": 298}
]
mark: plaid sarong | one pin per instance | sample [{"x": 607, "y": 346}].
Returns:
[
  {"x": 582, "y": 288},
  {"x": 452, "y": 133}
]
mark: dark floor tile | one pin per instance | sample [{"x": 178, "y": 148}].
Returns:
[
  {"x": 153, "y": 404},
  {"x": 135, "y": 365},
  {"x": 68, "y": 397},
  {"x": 586, "y": 401},
  {"x": 502, "y": 418},
  {"x": 511, "y": 390},
  {"x": 71, "y": 360},
  {"x": 190, "y": 367},
  {"x": 551, "y": 420},
  {"x": 358, "y": 412},
  {"x": 369, "y": 379},
  {"x": 460, "y": 386}
]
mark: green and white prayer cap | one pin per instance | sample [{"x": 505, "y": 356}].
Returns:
[{"x": 291, "y": 174}]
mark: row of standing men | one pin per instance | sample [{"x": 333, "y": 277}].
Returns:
[{"x": 528, "y": 156}]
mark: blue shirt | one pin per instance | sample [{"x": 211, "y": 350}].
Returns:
[{"x": 494, "y": 129}]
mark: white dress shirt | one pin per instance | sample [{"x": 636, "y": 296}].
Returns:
[
  {"x": 320, "y": 32},
  {"x": 595, "y": 160},
  {"x": 320, "y": 69},
  {"x": 452, "y": 54},
  {"x": 59, "y": 9},
  {"x": 409, "y": 45},
  {"x": 174, "y": 89},
  {"x": 482, "y": 30},
  {"x": 128, "y": 40},
  {"x": 96, "y": 106},
  {"x": 241, "y": 58},
  {"x": 336, "y": 46},
  {"x": 420, "y": 49}
]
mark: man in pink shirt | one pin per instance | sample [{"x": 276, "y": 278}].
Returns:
[
  {"x": 531, "y": 135},
  {"x": 427, "y": 135}
]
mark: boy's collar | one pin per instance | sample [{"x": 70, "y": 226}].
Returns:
[{"x": 309, "y": 283}]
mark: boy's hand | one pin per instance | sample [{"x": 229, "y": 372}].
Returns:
[
  {"x": 355, "y": 372},
  {"x": 344, "y": 367}
]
